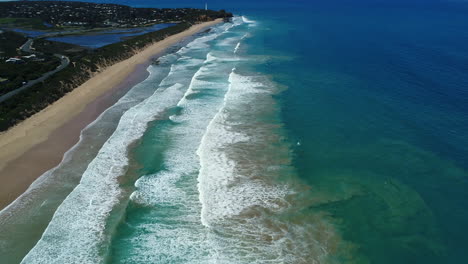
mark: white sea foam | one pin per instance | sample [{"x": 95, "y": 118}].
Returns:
[
  {"x": 236, "y": 49},
  {"x": 241, "y": 158},
  {"x": 79, "y": 224},
  {"x": 173, "y": 190},
  {"x": 195, "y": 116},
  {"x": 225, "y": 56},
  {"x": 210, "y": 57},
  {"x": 248, "y": 21},
  {"x": 202, "y": 43},
  {"x": 169, "y": 230},
  {"x": 209, "y": 203},
  {"x": 204, "y": 139},
  {"x": 216, "y": 199},
  {"x": 237, "y": 21},
  {"x": 218, "y": 195},
  {"x": 228, "y": 41}
]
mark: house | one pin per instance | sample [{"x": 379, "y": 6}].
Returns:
[
  {"x": 30, "y": 56},
  {"x": 15, "y": 61}
]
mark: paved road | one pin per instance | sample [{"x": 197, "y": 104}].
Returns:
[{"x": 27, "y": 47}]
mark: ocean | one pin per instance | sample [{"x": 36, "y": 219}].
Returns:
[{"x": 302, "y": 132}]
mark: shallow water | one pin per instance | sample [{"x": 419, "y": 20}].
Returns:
[{"x": 103, "y": 38}]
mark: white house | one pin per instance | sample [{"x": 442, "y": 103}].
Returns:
[{"x": 14, "y": 60}]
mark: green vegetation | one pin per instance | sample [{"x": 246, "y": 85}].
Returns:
[
  {"x": 9, "y": 43},
  {"x": 50, "y": 47},
  {"x": 31, "y": 23},
  {"x": 16, "y": 74},
  {"x": 83, "y": 65},
  {"x": 13, "y": 75}
]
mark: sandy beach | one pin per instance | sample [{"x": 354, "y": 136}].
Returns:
[{"x": 39, "y": 143}]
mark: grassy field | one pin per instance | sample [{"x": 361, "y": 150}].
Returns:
[{"x": 31, "y": 23}]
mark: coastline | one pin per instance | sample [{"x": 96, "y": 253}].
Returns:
[{"x": 38, "y": 144}]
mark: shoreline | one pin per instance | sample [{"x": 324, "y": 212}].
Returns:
[{"x": 38, "y": 144}]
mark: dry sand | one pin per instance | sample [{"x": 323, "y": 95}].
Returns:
[{"x": 39, "y": 143}]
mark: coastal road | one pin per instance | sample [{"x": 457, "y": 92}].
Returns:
[{"x": 27, "y": 47}]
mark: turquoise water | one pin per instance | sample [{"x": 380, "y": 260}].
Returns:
[
  {"x": 378, "y": 103},
  {"x": 300, "y": 133},
  {"x": 200, "y": 171}
]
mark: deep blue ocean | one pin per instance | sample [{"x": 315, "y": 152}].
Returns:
[{"x": 364, "y": 112}]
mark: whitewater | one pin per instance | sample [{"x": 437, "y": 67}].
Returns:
[{"x": 198, "y": 170}]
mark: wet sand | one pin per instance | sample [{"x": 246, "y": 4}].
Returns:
[{"x": 38, "y": 144}]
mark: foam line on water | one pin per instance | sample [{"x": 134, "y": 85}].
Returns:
[
  {"x": 172, "y": 192},
  {"x": 236, "y": 49},
  {"x": 209, "y": 68},
  {"x": 201, "y": 174},
  {"x": 217, "y": 198},
  {"x": 202, "y": 43},
  {"x": 248, "y": 21},
  {"x": 241, "y": 159},
  {"x": 78, "y": 225},
  {"x": 217, "y": 170},
  {"x": 193, "y": 118}
]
